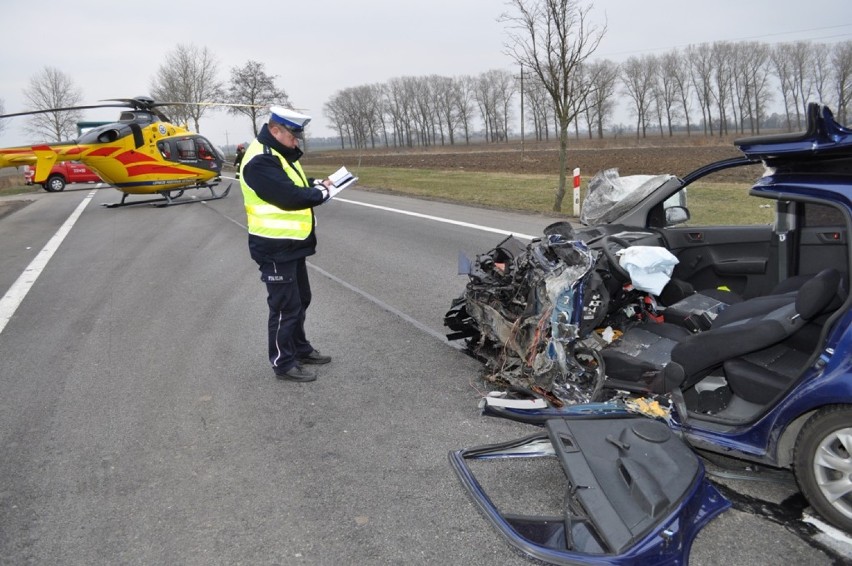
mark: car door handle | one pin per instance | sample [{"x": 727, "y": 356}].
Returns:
[
  {"x": 830, "y": 237},
  {"x": 695, "y": 236}
]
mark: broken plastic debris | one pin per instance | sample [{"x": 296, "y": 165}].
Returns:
[
  {"x": 649, "y": 407},
  {"x": 512, "y": 403}
]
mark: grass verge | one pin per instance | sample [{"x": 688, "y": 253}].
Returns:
[
  {"x": 709, "y": 203},
  {"x": 19, "y": 190},
  {"x": 528, "y": 193}
]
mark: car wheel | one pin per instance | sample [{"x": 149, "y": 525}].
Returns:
[
  {"x": 823, "y": 464},
  {"x": 54, "y": 184}
]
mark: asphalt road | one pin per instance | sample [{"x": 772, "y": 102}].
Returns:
[{"x": 141, "y": 424}]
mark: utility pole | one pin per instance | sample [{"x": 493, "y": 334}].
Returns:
[{"x": 522, "y": 113}]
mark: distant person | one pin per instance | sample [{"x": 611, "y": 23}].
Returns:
[
  {"x": 279, "y": 201},
  {"x": 238, "y": 158}
]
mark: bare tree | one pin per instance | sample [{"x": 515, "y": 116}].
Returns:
[
  {"x": 751, "y": 79},
  {"x": 554, "y": 38},
  {"x": 505, "y": 88},
  {"x": 721, "y": 53},
  {"x": 822, "y": 72},
  {"x": 781, "y": 58},
  {"x": 540, "y": 105},
  {"x": 676, "y": 68},
  {"x": 418, "y": 89},
  {"x": 793, "y": 65},
  {"x": 638, "y": 79},
  {"x": 51, "y": 88},
  {"x": 250, "y": 85},
  {"x": 368, "y": 100},
  {"x": 701, "y": 73},
  {"x": 188, "y": 76},
  {"x": 841, "y": 61},
  {"x": 667, "y": 86},
  {"x": 333, "y": 110},
  {"x": 445, "y": 96},
  {"x": 603, "y": 75},
  {"x": 487, "y": 95},
  {"x": 578, "y": 106},
  {"x": 463, "y": 93},
  {"x": 803, "y": 78},
  {"x": 2, "y": 111},
  {"x": 398, "y": 108}
]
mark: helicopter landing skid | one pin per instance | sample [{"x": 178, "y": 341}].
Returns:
[{"x": 168, "y": 198}]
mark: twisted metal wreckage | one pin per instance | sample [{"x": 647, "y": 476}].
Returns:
[
  {"x": 533, "y": 313},
  {"x": 525, "y": 301}
]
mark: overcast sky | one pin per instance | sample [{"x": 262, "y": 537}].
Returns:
[{"x": 318, "y": 47}]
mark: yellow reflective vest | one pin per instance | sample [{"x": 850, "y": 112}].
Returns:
[{"x": 267, "y": 220}]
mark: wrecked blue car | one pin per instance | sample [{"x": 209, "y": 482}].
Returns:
[{"x": 735, "y": 339}]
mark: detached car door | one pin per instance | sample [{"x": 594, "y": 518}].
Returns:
[{"x": 631, "y": 492}]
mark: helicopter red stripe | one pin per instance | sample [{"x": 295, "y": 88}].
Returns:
[
  {"x": 105, "y": 151},
  {"x": 130, "y": 157},
  {"x": 156, "y": 169}
]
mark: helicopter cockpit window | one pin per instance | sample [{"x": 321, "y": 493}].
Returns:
[
  {"x": 205, "y": 151},
  {"x": 186, "y": 149},
  {"x": 165, "y": 150}
]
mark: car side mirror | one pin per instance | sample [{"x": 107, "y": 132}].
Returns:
[{"x": 676, "y": 215}]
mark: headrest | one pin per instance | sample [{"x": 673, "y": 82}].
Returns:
[{"x": 818, "y": 293}]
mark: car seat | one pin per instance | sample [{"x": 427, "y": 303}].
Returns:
[
  {"x": 748, "y": 338},
  {"x": 641, "y": 358}
]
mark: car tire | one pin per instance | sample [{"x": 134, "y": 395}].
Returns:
[
  {"x": 54, "y": 184},
  {"x": 823, "y": 464}
]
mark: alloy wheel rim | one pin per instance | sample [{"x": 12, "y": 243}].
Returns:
[{"x": 833, "y": 469}]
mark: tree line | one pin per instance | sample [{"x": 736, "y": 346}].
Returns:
[{"x": 709, "y": 89}]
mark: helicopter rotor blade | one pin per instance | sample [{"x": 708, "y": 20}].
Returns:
[
  {"x": 66, "y": 109},
  {"x": 143, "y": 103}
]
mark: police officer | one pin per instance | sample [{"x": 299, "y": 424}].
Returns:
[{"x": 279, "y": 201}]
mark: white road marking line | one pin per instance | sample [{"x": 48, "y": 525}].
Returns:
[
  {"x": 19, "y": 289},
  {"x": 439, "y": 219},
  {"x": 436, "y": 218},
  {"x": 383, "y": 305}
]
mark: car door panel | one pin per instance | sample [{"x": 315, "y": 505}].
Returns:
[
  {"x": 822, "y": 247},
  {"x": 739, "y": 258}
]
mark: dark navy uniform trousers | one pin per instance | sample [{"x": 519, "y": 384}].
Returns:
[{"x": 289, "y": 294}]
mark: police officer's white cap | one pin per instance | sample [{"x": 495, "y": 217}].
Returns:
[{"x": 289, "y": 118}]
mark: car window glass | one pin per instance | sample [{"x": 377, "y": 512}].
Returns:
[
  {"x": 822, "y": 215},
  {"x": 722, "y": 199}
]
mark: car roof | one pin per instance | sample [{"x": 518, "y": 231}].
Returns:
[{"x": 824, "y": 140}]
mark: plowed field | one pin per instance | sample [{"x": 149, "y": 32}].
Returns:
[{"x": 631, "y": 157}]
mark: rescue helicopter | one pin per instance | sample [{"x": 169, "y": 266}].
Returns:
[{"x": 140, "y": 154}]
